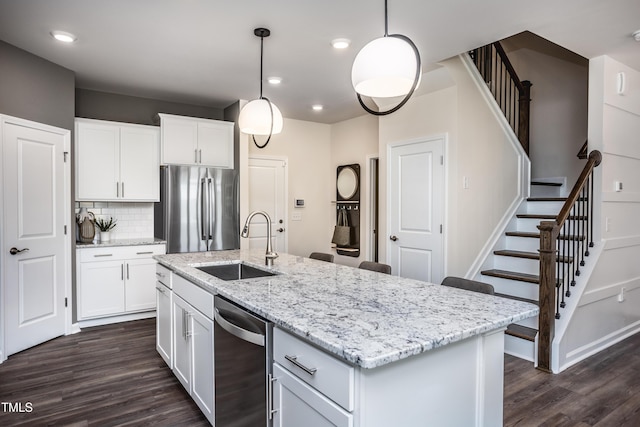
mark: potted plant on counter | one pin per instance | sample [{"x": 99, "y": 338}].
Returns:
[{"x": 105, "y": 227}]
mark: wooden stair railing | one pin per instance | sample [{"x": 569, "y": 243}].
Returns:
[
  {"x": 570, "y": 235},
  {"x": 513, "y": 96},
  {"x": 584, "y": 150}
]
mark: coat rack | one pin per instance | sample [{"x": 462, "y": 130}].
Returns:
[{"x": 348, "y": 200}]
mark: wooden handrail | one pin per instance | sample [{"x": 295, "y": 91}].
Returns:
[
  {"x": 595, "y": 157},
  {"x": 512, "y": 95},
  {"x": 584, "y": 150},
  {"x": 508, "y": 66},
  {"x": 553, "y": 280}
]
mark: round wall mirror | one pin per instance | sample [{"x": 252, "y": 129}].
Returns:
[{"x": 347, "y": 182}]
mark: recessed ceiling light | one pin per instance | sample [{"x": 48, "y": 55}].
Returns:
[
  {"x": 317, "y": 107},
  {"x": 340, "y": 43},
  {"x": 274, "y": 80},
  {"x": 63, "y": 36}
]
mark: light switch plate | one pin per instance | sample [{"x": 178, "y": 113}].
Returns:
[{"x": 296, "y": 216}]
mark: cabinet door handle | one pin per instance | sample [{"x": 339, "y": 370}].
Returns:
[
  {"x": 196, "y": 153},
  {"x": 294, "y": 360},
  {"x": 145, "y": 253},
  {"x": 121, "y": 271},
  {"x": 159, "y": 274},
  {"x": 200, "y": 152},
  {"x": 101, "y": 255},
  {"x": 188, "y": 332},
  {"x": 122, "y": 184},
  {"x": 117, "y": 189},
  {"x": 127, "y": 271},
  {"x": 162, "y": 291},
  {"x": 271, "y": 410}
]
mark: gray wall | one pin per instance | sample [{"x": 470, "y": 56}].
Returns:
[
  {"x": 35, "y": 89},
  {"x": 93, "y": 104}
]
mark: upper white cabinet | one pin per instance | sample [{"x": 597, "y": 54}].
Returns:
[
  {"x": 117, "y": 161},
  {"x": 193, "y": 141}
]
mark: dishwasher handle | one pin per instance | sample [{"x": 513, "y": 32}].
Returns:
[{"x": 237, "y": 331}]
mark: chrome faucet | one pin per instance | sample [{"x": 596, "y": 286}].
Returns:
[{"x": 270, "y": 255}]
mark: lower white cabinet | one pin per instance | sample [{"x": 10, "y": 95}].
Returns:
[
  {"x": 298, "y": 404},
  {"x": 193, "y": 343},
  {"x": 164, "y": 317},
  {"x": 116, "y": 280},
  {"x": 311, "y": 387}
]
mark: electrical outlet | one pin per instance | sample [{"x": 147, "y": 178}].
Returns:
[
  {"x": 607, "y": 224},
  {"x": 296, "y": 216},
  {"x": 465, "y": 182}
]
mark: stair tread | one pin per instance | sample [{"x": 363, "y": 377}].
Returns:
[
  {"x": 532, "y": 234},
  {"x": 513, "y": 275},
  {"x": 547, "y": 199},
  {"x": 513, "y": 297},
  {"x": 523, "y": 332},
  {"x": 548, "y": 216},
  {"x": 547, "y": 183},
  {"x": 527, "y": 255}
]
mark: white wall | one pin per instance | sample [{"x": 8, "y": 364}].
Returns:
[
  {"x": 307, "y": 147},
  {"x": 558, "y": 112},
  {"x": 352, "y": 141},
  {"x": 614, "y": 125},
  {"x": 478, "y": 147}
]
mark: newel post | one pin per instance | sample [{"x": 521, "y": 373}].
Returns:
[
  {"x": 523, "y": 119},
  {"x": 549, "y": 231}
]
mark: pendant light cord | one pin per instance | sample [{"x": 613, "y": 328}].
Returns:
[
  {"x": 386, "y": 20},
  {"x": 261, "y": 56}
]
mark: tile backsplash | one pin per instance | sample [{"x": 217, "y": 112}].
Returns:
[{"x": 135, "y": 220}]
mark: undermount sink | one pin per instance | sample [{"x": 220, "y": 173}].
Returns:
[{"x": 235, "y": 271}]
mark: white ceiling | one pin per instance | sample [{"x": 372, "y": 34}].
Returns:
[{"x": 204, "y": 52}]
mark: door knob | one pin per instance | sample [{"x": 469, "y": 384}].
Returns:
[
  {"x": 14, "y": 251},
  {"x": 393, "y": 238},
  {"x": 280, "y": 230}
]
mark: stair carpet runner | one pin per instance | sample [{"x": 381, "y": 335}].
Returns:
[{"x": 516, "y": 266}]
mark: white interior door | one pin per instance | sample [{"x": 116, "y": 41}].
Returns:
[
  {"x": 33, "y": 246},
  {"x": 267, "y": 192},
  {"x": 415, "y": 210}
]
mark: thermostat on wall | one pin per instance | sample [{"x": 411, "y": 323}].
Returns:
[{"x": 299, "y": 203}]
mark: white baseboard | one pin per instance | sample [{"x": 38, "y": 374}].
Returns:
[
  {"x": 588, "y": 350},
  {"x": 115, "y": 319}
]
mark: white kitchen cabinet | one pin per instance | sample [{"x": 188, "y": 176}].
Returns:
[
  {"x": 193, "y": 343},
  {"x": 193, "y": 141},
  {"x": 311, "y": 387},
  {"x": 164, "y": 314},
  {"x": 298, "y": 404},
  {"x": 116, "y": 280},
  {"x": 116, "y": 161}
]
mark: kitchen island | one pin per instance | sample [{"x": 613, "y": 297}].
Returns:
[{"x": 419, "y": 353}]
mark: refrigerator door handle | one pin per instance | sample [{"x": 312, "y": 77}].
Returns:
[
  {"x": 211, "y": 208},
  {"x": 203, "y": 209}
]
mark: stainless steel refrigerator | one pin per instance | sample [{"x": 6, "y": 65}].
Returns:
[{"x": 198, "y": 209}]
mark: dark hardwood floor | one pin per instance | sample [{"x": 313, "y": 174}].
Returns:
[
  {"x": 103, "y": 376},
  {"x": 603, "y": 390},
  {"x": 112, "y": 376}
]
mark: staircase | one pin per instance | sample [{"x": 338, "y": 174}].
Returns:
[{"x": 515, "y": 265}]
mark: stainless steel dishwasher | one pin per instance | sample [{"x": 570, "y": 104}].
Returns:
[{"x": 242, "y": 363}]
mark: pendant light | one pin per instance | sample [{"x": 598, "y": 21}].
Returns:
[
  {"x": 260, "y": 116},
  {"x": 386, "y": 67}
]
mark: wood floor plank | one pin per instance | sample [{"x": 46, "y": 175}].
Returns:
[
  {"x": 112, "y": 376},
  {"x": 103, "y": 376}
]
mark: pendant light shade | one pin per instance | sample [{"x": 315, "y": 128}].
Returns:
[
  {"x": 260, "y": 116},
  {"x": 256, "y": 118},
  {"x": 387, "y": 67},
  {"x": 384, "y": 68}
]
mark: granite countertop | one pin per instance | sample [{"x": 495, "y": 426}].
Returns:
[
  {"x": 122, "y": 242},
  {"x": 368, "y": 319}
]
